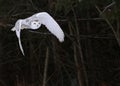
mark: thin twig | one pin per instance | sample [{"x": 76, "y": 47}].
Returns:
[
  {"x": 11, "y": 61},
  {"x": 46, "y": 67},
  {"x": 108, "y": 6},
  {"x": 81, "y": 54},
  {"x": 110, "y": 25},
  {"x": 34, "y": 6},
  {"x": 80, "y": 82}
]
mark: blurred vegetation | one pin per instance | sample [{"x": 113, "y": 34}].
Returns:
[{"x": 89, "y": 56}]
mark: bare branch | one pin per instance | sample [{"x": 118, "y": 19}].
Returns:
[{"x": 108, "y": 6}]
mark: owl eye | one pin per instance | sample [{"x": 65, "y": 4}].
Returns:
[{"x": 34, "y": 23}]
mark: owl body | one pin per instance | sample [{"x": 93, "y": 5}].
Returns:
[{"x": 34, "y": 22}]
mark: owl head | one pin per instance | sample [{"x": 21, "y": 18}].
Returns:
[{"x": 35, "y": 24}]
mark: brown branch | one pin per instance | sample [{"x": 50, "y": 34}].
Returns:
[
  {"x": 46, "y": 67},
  {"x": 108, "y": 6}
]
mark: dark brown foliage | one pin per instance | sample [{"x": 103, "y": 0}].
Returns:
[{"x": 89, "y": 56}]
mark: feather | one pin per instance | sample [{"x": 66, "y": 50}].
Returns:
[{"x": 51, "y": 25}]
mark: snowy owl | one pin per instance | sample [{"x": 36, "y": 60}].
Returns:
[{"x": 34, "y": 22}]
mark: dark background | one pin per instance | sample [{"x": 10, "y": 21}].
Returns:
[{"x": 89, "y": 55}]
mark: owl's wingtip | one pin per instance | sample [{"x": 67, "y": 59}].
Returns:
[
  {"x": 61, "y": 39},
  {"x": 13, "y": 29},
  {"x": 22, "y": 52}
]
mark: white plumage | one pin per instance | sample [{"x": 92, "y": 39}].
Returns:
[{"x": 34, "y": 22}]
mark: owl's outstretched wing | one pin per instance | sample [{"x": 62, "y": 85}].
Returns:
[
  {"x": 17, "y": 29},
  {"x": 51, "y": 25}
]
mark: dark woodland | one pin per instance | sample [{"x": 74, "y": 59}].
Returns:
[{"x": 89, "y": 55}]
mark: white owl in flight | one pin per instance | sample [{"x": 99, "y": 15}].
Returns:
[{"x": 34, "y": 22}]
